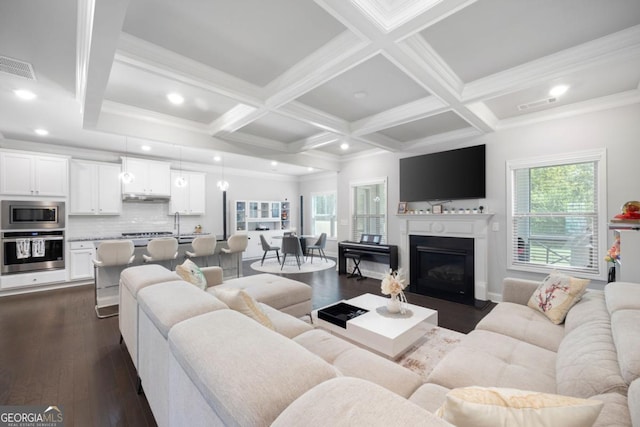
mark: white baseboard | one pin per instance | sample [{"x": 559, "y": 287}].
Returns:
[{"x": 495, "y": 297}]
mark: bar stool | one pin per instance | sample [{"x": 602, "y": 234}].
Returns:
[
  {"x": 203, "y": 246},
  {"x": 162, "y": 249},
  {"x": 111, "y": 253},
  {"x": 237, "y": 244}
]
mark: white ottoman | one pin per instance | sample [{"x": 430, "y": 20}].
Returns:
[
  {"x": 287, "y": 295},
  {"x": 133, "y": 279},
  {"x": 161, "y": 307}
]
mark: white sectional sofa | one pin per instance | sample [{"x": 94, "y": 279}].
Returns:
[
  {"x": 595, "y": 354},
  {"x": 225, "y": 368}
]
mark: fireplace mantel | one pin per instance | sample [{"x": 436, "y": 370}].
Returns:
[{"x": 475, "y": 226}]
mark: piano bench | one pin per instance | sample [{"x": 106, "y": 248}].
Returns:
[{"x": 356, "y": 265}]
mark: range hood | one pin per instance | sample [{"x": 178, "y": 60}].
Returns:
[{"x": 130, "y": 197}]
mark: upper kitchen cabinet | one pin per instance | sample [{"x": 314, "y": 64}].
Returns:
[
  {"x": 150, "y": 177},
  {"x": 27, "y": 174},
  {"x": 95, "y": 188},
  {"x": 188, "y": 199}
]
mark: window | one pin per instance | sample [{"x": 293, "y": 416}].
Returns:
[
  {"x": 323, "y": 214},
  {"x": 369, "y": 209},
  {"x": 556, "y": 215}
]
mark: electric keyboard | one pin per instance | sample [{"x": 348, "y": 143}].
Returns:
[{"x": 387, "y": 254}]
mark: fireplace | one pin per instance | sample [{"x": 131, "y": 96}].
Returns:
[{"x": 442, "y": 267}]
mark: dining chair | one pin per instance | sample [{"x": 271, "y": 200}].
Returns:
[
  {"x": 266, "y": 247},
  {"x": 319, "y": 246},
  {"x": 291, "y": 246}
]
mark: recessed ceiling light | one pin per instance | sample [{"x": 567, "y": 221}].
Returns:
[
  {"x": 558, "y": 90},
  {"x": 310, "y": 169},
  {"x": 360, "y": 95},
  {"x": 274, "y": 163},
  {"x": 41, "y": 132},
  {"x": 217, "y": 158},
  {"x": 24, "y": 94},
  {"x": 175, "y": 98},
  {"x": 145, "y": 148},
  {"x": 344, "y": 146}
]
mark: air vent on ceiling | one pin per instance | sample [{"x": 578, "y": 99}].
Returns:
[
  {"x": 16, "y": 68},
  {"x": 535, "y": 104}
]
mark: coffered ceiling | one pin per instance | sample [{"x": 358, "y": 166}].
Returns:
[{"x": 295, "y": 80}]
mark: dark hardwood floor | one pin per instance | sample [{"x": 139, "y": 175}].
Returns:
[{"x": 55, "y": 351}]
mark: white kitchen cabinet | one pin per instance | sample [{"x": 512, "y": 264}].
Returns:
[
  {"x": 251, "y": 214},
  {"x": 33, "y": 175},
  {"x": 81, "y": 255},
  {"x": 190, "y": 199},
  {"x": 95, "y": 188},
  {"x": 150, "y": 177}
]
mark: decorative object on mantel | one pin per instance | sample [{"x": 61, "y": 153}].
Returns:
[
  {"x": 402, "y": 207},
  {"x": 437, "y": 209},
  {"x": 393, "y": 285}
]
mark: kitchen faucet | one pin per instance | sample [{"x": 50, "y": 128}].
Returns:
[{"x": 176, "y": 222}]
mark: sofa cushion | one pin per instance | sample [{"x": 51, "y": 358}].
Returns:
[
  {"x": 429, "y": 396},
  {"x": 590, "y": 308},
  {"x": 191, "y": 273},
  {"x": 489, "y": 407},
  {"x": 285, "y": 324},
  {"x": 141, "y": 276},
  {"x": 634, "y": 402},
  {"x": 242, "y": 302},
  {"x": 353, "y": 361},
  {"x": 587, "y": 362},
  {"x": 247, "y": 373},
  {"x": 489, "y": 359},
  {"x": 346, "y": 402},
  {"x": 622, "y": 296},
  {"x": 186, "y": 302},
  {"x": 615, "y": 411},
  {"x": 557, "y": 294},
  {"x": 625, "y": 328},
  {"x": 521, "y": 322}
]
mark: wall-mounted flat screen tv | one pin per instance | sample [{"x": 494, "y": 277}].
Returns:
[{"x": 447, "y": 175}]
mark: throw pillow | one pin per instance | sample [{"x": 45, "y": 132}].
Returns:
[
  {"x": 190, "y": 272},
  {"x": 240, "y": 301},
  {"x": 490, "y": 407},
  {"x": 557, "y": 294}
]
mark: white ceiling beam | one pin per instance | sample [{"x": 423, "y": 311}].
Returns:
[
  {"x": 415, "y": 110},
  {"x": 155, "y": 59},
  {"x": 256, "y": 141},
  {"x": 616, "y": 47},
  {"x": 454, "y": 135},
  {"x": 315, "y": 117},
  {"x": 380, "y": 141},
  {"x": 236, "y": 118},
  {"x": 98, "y": 40},
  {"x": 314, "y": 142}
]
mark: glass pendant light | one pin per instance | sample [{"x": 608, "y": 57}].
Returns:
[
  {"x": 125, "y": 176},
  {"x": 223, "y": 185},
  {"x": 180, "y": 180}
]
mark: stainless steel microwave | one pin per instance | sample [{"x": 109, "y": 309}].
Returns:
[{"x": 33, "y": 215}]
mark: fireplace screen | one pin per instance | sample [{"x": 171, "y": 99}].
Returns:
[{"x": 442, "y": 267}]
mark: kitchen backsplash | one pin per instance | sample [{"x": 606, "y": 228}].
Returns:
[{"x": 135, "y": 217}]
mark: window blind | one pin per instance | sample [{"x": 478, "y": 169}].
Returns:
[{"x": 555, "y": 217}]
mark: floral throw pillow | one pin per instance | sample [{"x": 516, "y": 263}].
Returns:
[
  {"x": 557, "y": 294},
  {"x": 190, "y": 272}
]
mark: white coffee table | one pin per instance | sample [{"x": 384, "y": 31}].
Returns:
[{"x": 384, "y": 333}]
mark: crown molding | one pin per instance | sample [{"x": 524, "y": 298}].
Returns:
[
  {"x": 153, "y": 117},
  {"x": 256, "y": 141},
  {"x": 604, "y": 103},
  {"x": 152, "y": 58},
  {"x": 415, "y": 110},
  {"x": 484, "y": 113},
  {"x": 86, "y": 11},
  {"x": 619, "y": 46},
  {"x": 314, "y": 141},
  {"x": 389, "y": 15},
  {"x": 379, "y": 141}
]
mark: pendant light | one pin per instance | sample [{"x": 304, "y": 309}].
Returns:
[
  {"x": 180, "y": 180},
  {"x": 223, "y": 185},
  {"x": 125, "y": 176}
]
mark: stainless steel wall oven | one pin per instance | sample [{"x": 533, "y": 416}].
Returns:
[{"x": 32, "y": 236}]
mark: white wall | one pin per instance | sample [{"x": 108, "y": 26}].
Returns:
[{"x": 616, "y": 130}]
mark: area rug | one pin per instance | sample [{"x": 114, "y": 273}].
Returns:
[
  {"x": 271, "y": 265},
  {"x": 426, "y": 353}
]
